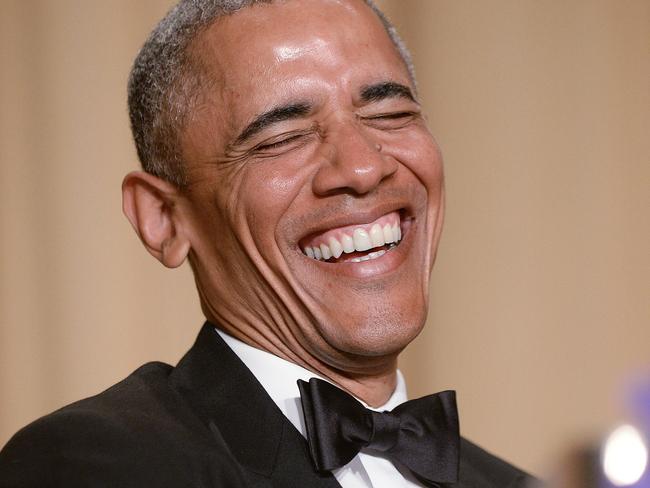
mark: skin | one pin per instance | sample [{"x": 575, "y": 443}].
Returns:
[{"x": 346, "y": 160}]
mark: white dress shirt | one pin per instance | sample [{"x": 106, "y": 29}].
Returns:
[{"x": 368, "y": 469}]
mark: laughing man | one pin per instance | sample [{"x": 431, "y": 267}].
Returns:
[{"x": 286, "y": 157}]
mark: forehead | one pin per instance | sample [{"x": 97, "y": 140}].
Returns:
[{"x": 268, "y": 52}]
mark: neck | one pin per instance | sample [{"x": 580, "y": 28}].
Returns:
[
  {"x": 374, "y": 390},
  {"x": 372, "y": 380}
]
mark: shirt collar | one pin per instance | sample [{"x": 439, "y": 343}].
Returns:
[{"x": 279, "y": 378}]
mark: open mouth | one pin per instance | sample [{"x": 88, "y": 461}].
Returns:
[{"x": 355, "y": 243}]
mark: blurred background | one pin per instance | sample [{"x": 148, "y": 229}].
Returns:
[{"x": 539, "y": 312}]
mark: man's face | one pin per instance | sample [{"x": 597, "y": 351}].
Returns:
[{"x": 307, "y": 141}]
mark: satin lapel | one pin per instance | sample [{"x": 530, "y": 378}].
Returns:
[
  {"x": 222, "y": 391},
  {"x": 234, "y": 406}
]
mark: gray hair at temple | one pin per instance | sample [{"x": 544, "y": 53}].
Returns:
[{"x": 166, "y": 80}]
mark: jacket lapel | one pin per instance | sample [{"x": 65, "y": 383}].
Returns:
[{"x": 235, "y": 407}]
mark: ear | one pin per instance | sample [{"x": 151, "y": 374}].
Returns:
[{"x": 151, "y": 205}]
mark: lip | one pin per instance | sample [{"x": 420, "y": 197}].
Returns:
[{"x": 387, "y": 263}]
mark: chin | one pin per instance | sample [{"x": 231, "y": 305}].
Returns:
[{"x": 384, "y": 331}]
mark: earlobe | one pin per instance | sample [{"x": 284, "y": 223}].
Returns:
[
  {"x": 174, "y": 252},
  {"x": 151, "y": 205}
]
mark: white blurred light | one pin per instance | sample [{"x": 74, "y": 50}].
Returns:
[{"x": 625, "y": 456}]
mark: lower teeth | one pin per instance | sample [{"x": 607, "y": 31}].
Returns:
[{"x": 372, "y": 255}]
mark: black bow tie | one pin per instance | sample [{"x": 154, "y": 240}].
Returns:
[{"x": 420, "y": 434}]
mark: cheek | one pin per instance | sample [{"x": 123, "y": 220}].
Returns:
[
  {"x": 266, "y": 194},
  {"x": 419, "y": 152}
]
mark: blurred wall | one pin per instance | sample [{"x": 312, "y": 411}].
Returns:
[{"x": 540, "y": 295}]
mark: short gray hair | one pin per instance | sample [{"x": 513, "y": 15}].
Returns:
[{"x": 165, "y": 81}]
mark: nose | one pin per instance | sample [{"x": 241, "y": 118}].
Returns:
[{"x": 354, "y": 163}]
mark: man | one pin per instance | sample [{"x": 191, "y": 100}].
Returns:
[{"x": 287, "y": 158}]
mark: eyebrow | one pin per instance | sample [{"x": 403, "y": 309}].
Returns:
[
  {"x": 273, "y": 116},
  {"x": 386, "y": 89}
]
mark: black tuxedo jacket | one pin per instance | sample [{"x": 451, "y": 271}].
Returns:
[{"x": 205, "y": 423}]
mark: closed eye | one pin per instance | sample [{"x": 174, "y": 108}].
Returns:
[
  {"x": 391, "y": 120},
  {"x": 276, "y": 144}
]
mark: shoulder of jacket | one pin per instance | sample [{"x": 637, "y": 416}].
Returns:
[{"x": 137, "y": 431}]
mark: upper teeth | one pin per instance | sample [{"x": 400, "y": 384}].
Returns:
[{"x": 359, "y": 240}]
